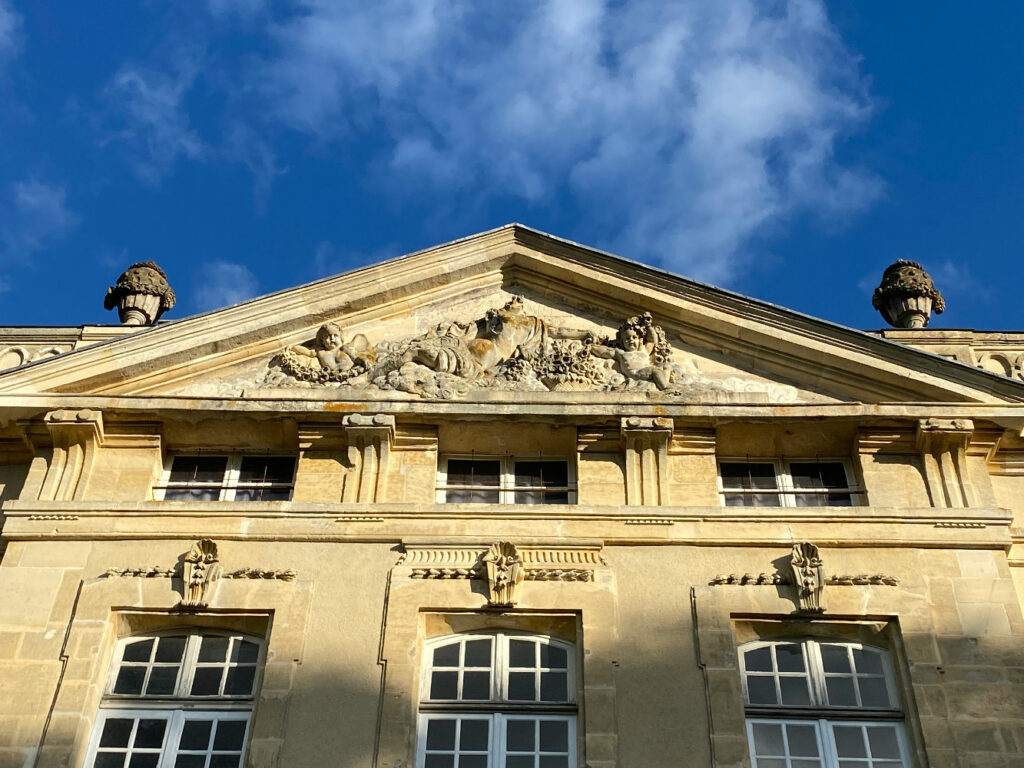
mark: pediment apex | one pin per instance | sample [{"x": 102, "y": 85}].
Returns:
[{"x": 407, "y": 296}]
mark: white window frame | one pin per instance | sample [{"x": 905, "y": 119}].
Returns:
[
  {"x": 787, "y": 491},
  {"x": 819, "y": 713},
  {"x": 506, "y": 487},
  {"x": 181, "y": 705},
  {"x": 498, "y": 709},
  {"x": 230, "y": 481}
]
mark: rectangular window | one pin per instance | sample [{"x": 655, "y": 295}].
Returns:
[
  {"x": 228, "y": 478},
  {"x": 789, "y": 483},
  {"x": 505, "y": 480}
]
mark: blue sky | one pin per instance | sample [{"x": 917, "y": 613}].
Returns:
[{"x": 786, "y": 150}]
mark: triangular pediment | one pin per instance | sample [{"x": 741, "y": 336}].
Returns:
[{"x": 511, "y": 314}]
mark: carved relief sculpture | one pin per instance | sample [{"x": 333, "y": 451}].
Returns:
[
  {"x": 809, "y": 576},
  {"x": 505, "y": 573},
  {"x": 201, "y": 569},
  {"x": 507, "y": 349}
]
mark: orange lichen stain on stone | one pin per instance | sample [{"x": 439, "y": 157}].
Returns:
[{"x": 342, "y": 407}]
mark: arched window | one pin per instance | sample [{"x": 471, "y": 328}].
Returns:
[
  {"x": 498, "y": 700},
  {"x": 177, "y": 700},
  {"x": 822, "y": 704}
]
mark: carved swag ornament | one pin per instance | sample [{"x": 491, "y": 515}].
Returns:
[{"x": 507, "y": 349}]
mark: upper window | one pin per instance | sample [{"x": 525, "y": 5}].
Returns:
[
  {"x": 177, "y": 701},
  {"x": 814, "y": 704},
  {"x": 505, "y": 480},
  {"x": 498, "y": 700},
  {"x": 789, "y": 483},
  {"x": 228, "y": 478}
]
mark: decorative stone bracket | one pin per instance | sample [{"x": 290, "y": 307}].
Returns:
[
  {"x": 199, "y": 571},
  {"x": 76, "y": 437},
  {"x": 503, "y": 565},
  {"x": 807, "y": 574},
  {"x": 943, "y": 445},
  {"x": 370, "y": 437},
  {"x": 646, "y": 442}
]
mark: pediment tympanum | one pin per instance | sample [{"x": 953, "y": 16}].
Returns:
[{"x": 511, "y": 349}]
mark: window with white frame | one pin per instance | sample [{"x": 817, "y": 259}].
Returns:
[
  {"x": 822, "y": 704},
  {"x": 477, "y": 479},
  {"x": 231, "y": 477},
  {"x": 498, "y": 700},
  {"x": 179, "y": 700},
  {"x": 787, "y": 483}
]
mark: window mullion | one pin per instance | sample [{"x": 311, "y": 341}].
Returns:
[
  {"x": 175, "y": 724},
  {"x": 500, "y": 667},
  {"x": 816, "y": 669},
  {"x": 188, "y": 666},
  {"x": 827, "y": 742}
]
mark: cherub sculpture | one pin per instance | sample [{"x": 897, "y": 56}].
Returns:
[
  {"x": 336, "y": 359},
  {"x": 640, "y": 352}
]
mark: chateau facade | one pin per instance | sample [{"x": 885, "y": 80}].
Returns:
[{"x": 509, "y": 502}]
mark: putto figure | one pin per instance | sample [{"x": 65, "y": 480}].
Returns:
[
  {"x": 334, "y": 359},
  {"x": 640, "y": 352}
]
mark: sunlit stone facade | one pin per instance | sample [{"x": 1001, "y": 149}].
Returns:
[{"x": 510, "y": 501}]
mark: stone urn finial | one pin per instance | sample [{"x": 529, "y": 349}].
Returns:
[
  {"x": 907, "y": 295},
  {"x": 141, "y": 294}
]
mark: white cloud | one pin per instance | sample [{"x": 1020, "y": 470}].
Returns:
[
  {"x": 681, "y": 130},
  {"x": 149, "y": 118},
  {"x": 220, "y": 283},
  {"x": 33, "y": 215},
  {"x": 10, "y": 32}
]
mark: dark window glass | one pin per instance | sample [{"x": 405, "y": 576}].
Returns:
[
  {"x": 140, "y": 650},
  {"x": 116, "y": 732},
  {"x": 742, "y": 480},
  {"x": 819, "y": 475},
  {"x": 195, "y": 734},
  {"x": 161, "y": 681},
  {"x": 230, "y": 735},
  {"x": 240, "y": 681},
  {"x": 199, "y": 470},
  {"x": 267, "y": 469},
  {"x": 206, "y": 681},
  {"x": 150, "y": 733},
  {"x": 129, "y": 680},
  {"x": 539, "y": 476},
  {"x": 484, "y": 477}
]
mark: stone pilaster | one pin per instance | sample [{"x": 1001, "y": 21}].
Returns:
[
  {"x": 370, "y": 437},
  {"x": 943, "y": 445},
  {"x": 645, "y": 441}
]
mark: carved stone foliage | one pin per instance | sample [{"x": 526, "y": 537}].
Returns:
[
  {"x": 141, "y": 294},
  {"x": 806, "y": 573},
  {"x": 508, "y": 349},
  {"x": 503, "y": 565},
  {"x": 199, "y": 571},
  {"x": 809, "y": 575},
  {"x": 907, "y": 295}
]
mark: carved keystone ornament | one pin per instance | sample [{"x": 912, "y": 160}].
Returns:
[{"x": 807, "y": 574}]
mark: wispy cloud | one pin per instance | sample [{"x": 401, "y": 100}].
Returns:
[
  {"x": 33, "y": 215},
  {"x": 147, "y": 115},
  {"x": 220, "y": 283},
  {"x": 681, "y": 130},
  {"x": 10, "y": 32}
]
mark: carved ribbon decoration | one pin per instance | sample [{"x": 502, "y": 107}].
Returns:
[{"x": 809, "y": 576}]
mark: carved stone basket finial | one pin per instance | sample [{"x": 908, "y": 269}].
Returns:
[
  {"x": 141, "y": 294},
  {"x": 907, "y": 295}
]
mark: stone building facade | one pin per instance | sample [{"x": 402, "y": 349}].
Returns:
[{"x": 511, "y": 502}]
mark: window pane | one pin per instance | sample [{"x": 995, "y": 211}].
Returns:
[
  {"x": 150, "y": 733},
  {"x": 873, "y": 692},
  {"x": 447, "y": 655},
  {"x": 768, "y": 739},
  {"x": 519, "y": 761},
  {"x": 144, "y": 760},
  {"x": 214, "y": 649},
  {"x": 554, "y": 686},
  {"x": 474, "y": 472},
  {"x": 140, "y": 650},
  {"x": 553, "y": 657},
  {"x": 267, "y": 469},
  {"x": 439, "y": 761},
  {"x": 244, "y": 651},
  {"x": 545, "y": 474},
  {"x": 849, "y": 741},
  {"x": 199, "y": 469},
  {"x": 472, "y": 761},
  {"x": 225, "y": 761},
  {"x": 554, "y": 736},
  {"x": 522, "y": 653},
  {"x": 554, "y": 761},
  {"x": 748, "y": 476},
  {"x": 761, "y": 690},
  {"x": 206, "y": 681},
  {"x": 192, "y": 494},
  {"x": 835, "y": 658},
  {"x": 240, "y": 681},
  {"x": 478, "y": 653},
  {"x": 195, "y": 734},
  {"x": 758, "y": 660},
  {"x": 474, "y": 735},
  {"x": 867, "y": 662},
  {"x": 170, "y": 649},
  {"x": 803, "y": 740},
  {"x": 521, "y": 686},
  {"x": 840, "y": 692},
  {"x": 230, "y": 735},
  {"x": 794, "y": 691},
  {"x": 519, "y": 735},
  {"x": 130, "y": 680},
  {"x": 263, "y": 494},
  {"x": 883, "y": 742},
  {"x": 441, "y": 734},
  {"x": 444, "y": 685},
  {"x": 190, "y": 761},
  {"x": 471, "y": 497},
  {"x": 476, "y": 686},
  {"x": 109, "y": 760},
  {"x": 116, "y": 732},
  {"x": 790, "y": 657},
  {"x": 162, "y": 681},
  {"x": 531, "y": 497},
  {"x": 812, "y": 475}
]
